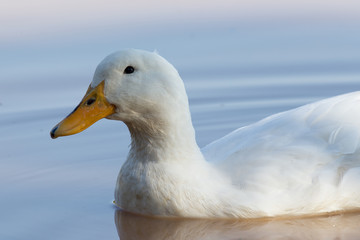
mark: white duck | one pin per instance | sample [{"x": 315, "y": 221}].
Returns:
[{"x": 301, "y": 162}]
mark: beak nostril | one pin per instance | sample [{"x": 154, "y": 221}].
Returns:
[{"x": 90, "y": 101}]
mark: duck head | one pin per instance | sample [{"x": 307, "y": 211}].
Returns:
[{"x": 137, "y": 87}]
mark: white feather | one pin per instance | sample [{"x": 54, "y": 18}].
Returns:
[{"x": 303, "y": 161}]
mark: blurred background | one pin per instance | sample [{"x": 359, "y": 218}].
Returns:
[
  {"x": 241, "y": 60},
  {"x": 61, "y": 42}
]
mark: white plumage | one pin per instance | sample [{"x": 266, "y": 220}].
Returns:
[
  {"x": 300, "y": 162},
  {"x": 303, "y": 161}
]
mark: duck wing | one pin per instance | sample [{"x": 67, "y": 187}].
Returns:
[{"x": 300, "y": 158}]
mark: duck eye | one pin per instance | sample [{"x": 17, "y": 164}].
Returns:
[
  {"x": 90, "y": 101},
  {"x": 129, "y": 70}
]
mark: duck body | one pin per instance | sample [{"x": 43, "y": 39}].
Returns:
[{"x": 305, "y": 161}]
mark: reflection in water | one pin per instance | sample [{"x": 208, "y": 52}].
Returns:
[{"x": 135, "y": 227}]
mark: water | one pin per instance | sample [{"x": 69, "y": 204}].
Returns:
[
  {"x": 130, "y": 226},
  {"x": 63, "y": 188}
]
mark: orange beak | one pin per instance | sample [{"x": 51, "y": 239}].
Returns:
[{"x": 92, "y": 108}]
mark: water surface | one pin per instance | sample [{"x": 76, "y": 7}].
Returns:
[{"x": 133, "y": 227}]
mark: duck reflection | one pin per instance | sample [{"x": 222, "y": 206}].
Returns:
[{"x": 135, "y": 227}]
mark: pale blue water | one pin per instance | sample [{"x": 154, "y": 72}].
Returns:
[{"x": 234, "y": 75}]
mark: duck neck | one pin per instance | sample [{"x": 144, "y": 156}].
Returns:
[{"x": 161, "y": 140}]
